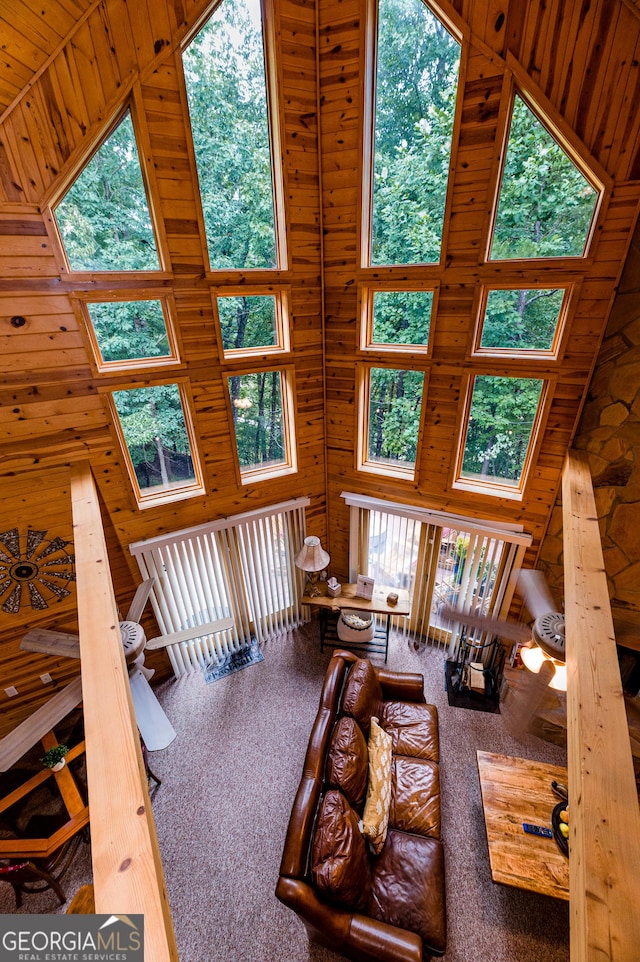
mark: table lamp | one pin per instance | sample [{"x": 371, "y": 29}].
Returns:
[{"x": 312, "y": 559}]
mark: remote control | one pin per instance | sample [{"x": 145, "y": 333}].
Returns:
[{"x": 537, "y": 830}]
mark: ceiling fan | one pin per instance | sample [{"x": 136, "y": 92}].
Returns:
[
  {"x": 153, "y": 724},
  {"x": 543, "y": 641}
]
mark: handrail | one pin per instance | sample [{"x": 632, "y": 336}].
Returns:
[
  {"x": 127, "y": 870},
  {"x": 604, "y": 842}
]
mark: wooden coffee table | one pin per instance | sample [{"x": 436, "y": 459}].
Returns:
[{"x": 514, "y": 791}]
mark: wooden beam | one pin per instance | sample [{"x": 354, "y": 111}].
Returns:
[
  {"x": 604, "y": 842},
  {"x": 127, "y": 870}
]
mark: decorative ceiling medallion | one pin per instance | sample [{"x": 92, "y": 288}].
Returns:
[{"x": 44, "y": 566}]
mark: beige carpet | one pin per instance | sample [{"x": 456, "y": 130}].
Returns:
[{"x": 228, "y": 781}]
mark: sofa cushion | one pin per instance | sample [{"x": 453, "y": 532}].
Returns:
[
  {"x": 413, "y": 727},
  {"x": 348, "y": 762},
  {"x": 362, "y": 696},
  {"x": 407, "y": 887},
  {"x": 415, "y": 796},
  {"x": 375, "y": 818},
  {"x": 340, "y": 862}
]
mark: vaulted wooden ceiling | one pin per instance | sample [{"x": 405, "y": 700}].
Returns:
[{"x": 66, "y": 67}]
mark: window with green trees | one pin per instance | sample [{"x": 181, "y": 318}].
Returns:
[
  {"x": 103, "y": 219},
  {"x": 546, "y": 204},
  {"x": 156, "y": 431},
  {"x": 502, "y": 417},
  {"x": 416, "y": 79},
  {"x": 252, "y": 322},
  {"x": 132, "y": 330},
  {"x": 262, "y": 411},
  {"x": 521, "y": 319},
  {"x": 393, "y": 400},
  {"x": 396, "y": 318},
  {"x": 224, "y": 68}
]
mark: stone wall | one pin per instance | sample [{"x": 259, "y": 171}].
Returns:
[{"x": 609, "y": 431}]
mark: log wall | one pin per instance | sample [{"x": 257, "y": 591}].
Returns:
[
  {"x": 70, "y": 75},
  {"x": 52, "y": 413}
]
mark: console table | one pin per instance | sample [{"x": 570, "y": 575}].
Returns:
[{"x": 329, "y": 609}]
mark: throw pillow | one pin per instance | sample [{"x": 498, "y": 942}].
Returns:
[
  {"x": 375, "y": 819},
  {"x": 348, "y": 761},
  {"x": 362, "y": 696},
  {"x": 340, "y": 862}
]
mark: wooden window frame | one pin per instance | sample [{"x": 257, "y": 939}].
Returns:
[
  {"x": 379, "y": 468},
  {"x": 282, "y": 297},
  {"x": 574, "y": 149},
  {"x": 555, "y": 350},
  {"x": 370, "y": 58},
  {"x": 82, "y": 302},
  {"x": 276, "y": 126},
  {"x": 161, "y": 495},
  {"x": 366, "y": 298},
  {"x": 135, "y": 107},
  {"x": 288, "y": 390},
  {"x": 513, "y": 492}
]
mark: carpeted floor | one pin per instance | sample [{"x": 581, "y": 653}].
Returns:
[{"x": 228, "y": 781}]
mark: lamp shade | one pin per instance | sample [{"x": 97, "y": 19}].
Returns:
[
  {"x": 312, "y": 556},
  {"x": 534, "y": 656}
]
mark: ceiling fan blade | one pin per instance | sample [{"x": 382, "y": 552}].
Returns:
[
  {"x": 533, "y": 587},
  {"x": 499, "y": 626}
]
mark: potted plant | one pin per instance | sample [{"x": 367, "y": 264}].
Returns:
[{"x": 54, "y": 757}]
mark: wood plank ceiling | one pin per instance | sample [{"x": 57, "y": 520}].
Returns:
[{"x": 67, "y": 66}]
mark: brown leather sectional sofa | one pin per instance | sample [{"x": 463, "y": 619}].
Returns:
[{"x": 368, "y": 907}]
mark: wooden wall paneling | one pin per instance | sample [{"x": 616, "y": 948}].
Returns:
[
  {"x": 594, "y": 95},
  {"x": 606, "y": 137}
]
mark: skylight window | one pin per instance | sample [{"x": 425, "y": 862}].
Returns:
[
  {"x": 224, "y": 68},
  {"x": 156, "y": 432},
  {"x": 416, "y": 80},
  {"x": 522, "y": 320},
  {"x": 502, "y": 417},
  {"x": 103, "y": 219},
  {"x": 263, "y": 423},
  {"x": 396, "y": 319},
  {"x": 546, "y": 204},
  {"x": 391, "y": 402}
]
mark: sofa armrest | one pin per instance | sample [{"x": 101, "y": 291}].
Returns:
[
  {"x": 367, "y": 939},
  {"x": 401, "y": 686}
]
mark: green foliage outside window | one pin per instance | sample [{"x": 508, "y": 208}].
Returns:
[
  {"x": 546, "y": 204},
  {"x": 129, "y": 330},
  {"x": 395, "y": 401},
  {"x": 154, "y": 428},
  {"x": 257, "y": 408},
  {"x": 416, "y": 84},
  {"x": 224, "y": 70},
  {"x": 401, "y": 317},
  {"x": 521, "y": 320},
  {"x": 104, "y": 218},
  {"x": 248, "y": 321},
  {"x": 503, "y": 411}
]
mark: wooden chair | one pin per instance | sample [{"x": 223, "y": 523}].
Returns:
[{"x": 38, "y": 875}]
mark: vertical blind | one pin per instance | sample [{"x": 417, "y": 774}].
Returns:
[
  {"x": 443, "y": 560},
  {"x": 240, "y": 567}
]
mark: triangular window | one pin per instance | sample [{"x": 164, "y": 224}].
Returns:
[
  {"x": 225, "y": 78},
  {"x": 546, "y": 204},
  {"x": 415, "y": 94},
  {"x": 104, "y": 218}
]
